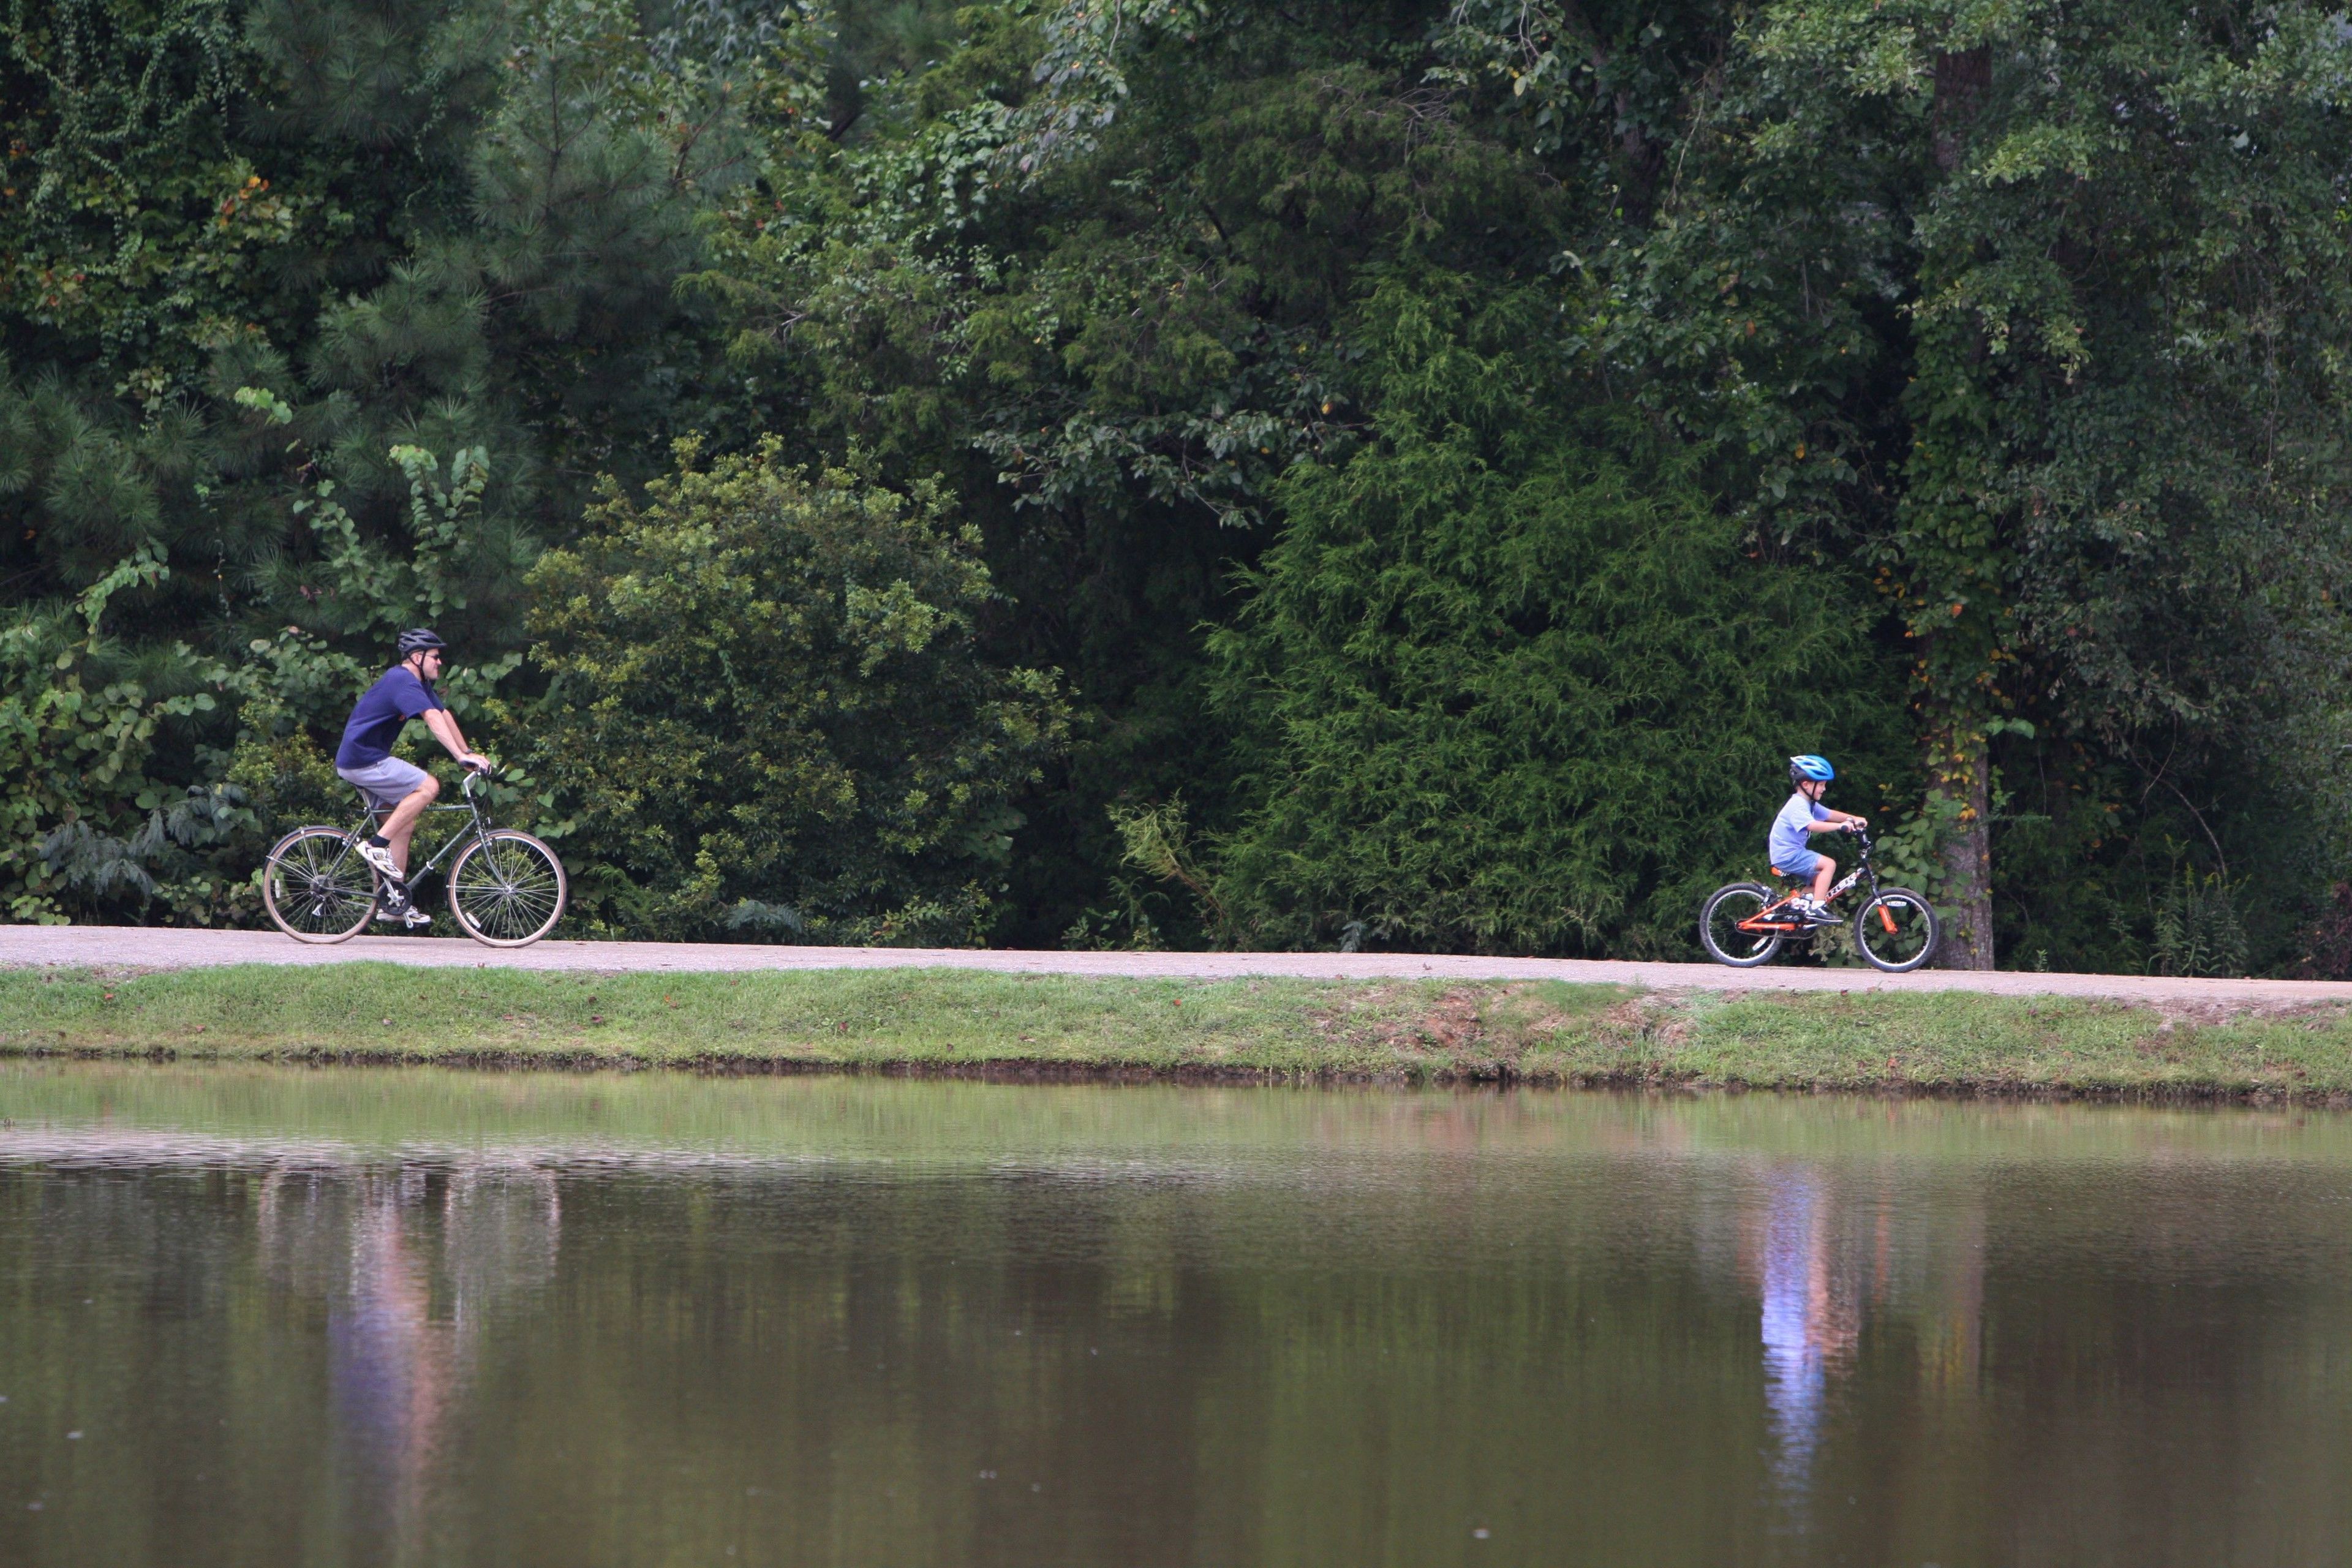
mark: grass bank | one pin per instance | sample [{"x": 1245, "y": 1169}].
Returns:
[{"x": 953, "y": 1021}]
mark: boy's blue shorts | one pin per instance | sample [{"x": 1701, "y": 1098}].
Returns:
[{"x": 1812, "y": 863}]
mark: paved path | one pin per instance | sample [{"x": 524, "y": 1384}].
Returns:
[{"x": 142, "y": 948}]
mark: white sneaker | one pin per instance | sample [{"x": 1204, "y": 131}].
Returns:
[{"x": 380, "y": 857}]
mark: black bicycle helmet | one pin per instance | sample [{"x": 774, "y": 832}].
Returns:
[{"x": 418, "y": 640}]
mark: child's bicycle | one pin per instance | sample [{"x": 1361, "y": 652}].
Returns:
[
  {"x": 1745, "y": 923},
  {"x": 505, "y": 888}
]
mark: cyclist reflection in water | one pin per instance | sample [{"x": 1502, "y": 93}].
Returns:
[
  {"x": 411, "y": 1284},
  {"x": 392, "y": 1364},
  {"x": 1808, "y": 1321}
]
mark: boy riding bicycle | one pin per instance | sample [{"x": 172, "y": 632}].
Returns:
[
  {"x": 1802, "y": 815},
  {"x": 365, "y": 760}
]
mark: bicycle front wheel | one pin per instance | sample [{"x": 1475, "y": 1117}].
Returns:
[
  {"x": 1726, "y": 910},
  {"x": 1895, "y": 931},
  {"x": 316, "y": 887},
  {"x": 507, "y": 889}
]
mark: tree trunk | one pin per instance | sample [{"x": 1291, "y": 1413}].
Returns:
[
  {"x": 1962, "y": 772},
  {"x": 1962, "y": 80},
  {"x": 1957, "y": 760}
]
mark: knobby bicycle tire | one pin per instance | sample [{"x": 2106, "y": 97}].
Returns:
[
  {"x": 1904, "y": 949},
  {"x": 1732, "y": 903},
  {"x": 507, "y": 889},
  {"x": 312, "y": 882}
]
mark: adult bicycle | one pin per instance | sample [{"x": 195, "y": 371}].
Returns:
[
  {"x": 505, "y": 888},
  {"x": 1745, "y": 923}
]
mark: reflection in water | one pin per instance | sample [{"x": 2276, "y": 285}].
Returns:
[
  {"x": 1809, "y": 1319},
  {"x": 408, "y": 1261},
  {"x": 1833, "y": 1249},
  {"x": 1823, "y": 1258},
  {"x": 382, "y": 1317},
  {"x": 391, "y": 1363}
]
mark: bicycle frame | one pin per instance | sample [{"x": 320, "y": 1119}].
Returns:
[
  {"x": 1763, "y": 922},
  {"x": 479, "y": 828}
]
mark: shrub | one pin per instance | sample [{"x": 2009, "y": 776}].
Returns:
[{"x": 766, "y": 715}]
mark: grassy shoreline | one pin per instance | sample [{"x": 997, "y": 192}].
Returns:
[{"x": 966, "y": 1022}]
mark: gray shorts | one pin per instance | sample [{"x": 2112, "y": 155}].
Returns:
[{"x": 388, "y": 782}]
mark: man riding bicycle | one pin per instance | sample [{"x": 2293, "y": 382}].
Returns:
[{"x": 365, "y": 759}]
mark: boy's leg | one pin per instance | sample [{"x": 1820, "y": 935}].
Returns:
[{"x": 1824, "y": 872}]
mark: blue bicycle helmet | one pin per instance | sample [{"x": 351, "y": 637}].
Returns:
[{"x": 1809, "y": 766}]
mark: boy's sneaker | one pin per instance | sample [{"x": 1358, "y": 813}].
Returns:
[{"x": 1811, "y": 912}]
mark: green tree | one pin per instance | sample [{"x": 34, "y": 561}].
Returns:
[
  {"x": 2111, "y": 517},
  {"x": 767, "y": 713},
  {"x": 1508, "y": 680},
  {"x": 315, "y": 321},
  {"x": 1090, "y": 268}
]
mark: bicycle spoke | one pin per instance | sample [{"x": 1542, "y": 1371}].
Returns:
[
  {"x": 1721, "y": 921},
  {"x": 507, "y": 889},
  {"x": 315, "y": 889},
  {"x": 1898, "y": 930}
]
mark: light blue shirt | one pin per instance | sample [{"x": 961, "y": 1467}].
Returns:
[{"x": 1787, "y": 846}]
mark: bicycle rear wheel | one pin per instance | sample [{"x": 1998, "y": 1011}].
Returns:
[
  {"x": 1895, "y": 931},
  {"x": 507, "y": 889},
  {"x": 1719, "y": 921},
  {"x": 316, "y": 887}
]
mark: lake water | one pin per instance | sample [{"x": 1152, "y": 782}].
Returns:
[{"x": 255, "y": 1316}]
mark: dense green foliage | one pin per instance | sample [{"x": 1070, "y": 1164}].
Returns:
[
  {"x": 2117, "y": 535},
  {"x": 766, "y": 712},
  {"x": 1450, "y": 448},
  {"x": 1497, "y": 677},
  {"x": 319, "y": 319}
]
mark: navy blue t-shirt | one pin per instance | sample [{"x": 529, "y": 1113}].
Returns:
[{"x": 376, "y": 723}]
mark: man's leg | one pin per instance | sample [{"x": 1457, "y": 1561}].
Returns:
[{"x": 400, "y": 826}]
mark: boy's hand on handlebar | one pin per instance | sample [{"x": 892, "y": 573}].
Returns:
[{"x": 479, "y": 763}]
